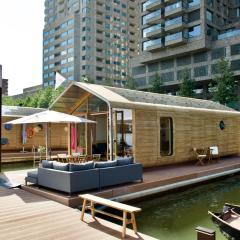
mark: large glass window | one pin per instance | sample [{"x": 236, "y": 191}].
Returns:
[{"x": 166, "y": 136}]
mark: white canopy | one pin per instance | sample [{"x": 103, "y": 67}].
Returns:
[
  {"x": 50, "y": 117},
  {"x": 47, "y": 117}
]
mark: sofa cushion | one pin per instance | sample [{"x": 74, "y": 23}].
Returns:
[
  {"x": 73, "y": 167},
  {"x": 47, "y": 164},
  {"x": 105, "y": 164},
  {"x": 61, "y": 166},
  {"x": 32, "y": 174},
  {"x": 124, "y": 161}
]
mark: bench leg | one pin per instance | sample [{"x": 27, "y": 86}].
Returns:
[
  {"x": 83, "y": 208},
  {"x": 92, "y": 209},
  {"x": 133, "y": 220},
  {"x": 124, "y": 224}
]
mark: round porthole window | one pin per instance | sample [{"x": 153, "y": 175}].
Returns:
[
  {"x": 222, "y": 125},
  {"x": 8, "y": 127}
]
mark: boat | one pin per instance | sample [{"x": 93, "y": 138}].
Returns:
[{"x": 228, "y": 221}]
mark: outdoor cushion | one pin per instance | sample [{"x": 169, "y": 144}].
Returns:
[
  {"x": 61, "y": 166},
  {"x": 73, "y": 167},
  {"x": 32, "y": 174},
  {"x": 124, "y": 161},
  {"x": 47, "y": 164},
  {"x": 105, "y": 164}
]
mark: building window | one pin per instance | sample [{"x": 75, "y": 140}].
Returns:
[
  {"x": 194, "y": 31},
  {"x": 167, "y": 77},
  {"x": 201, "y": 71},
  {"x": 218, "y": 53},
  {"x": 235, "y": 49},
  {"x": 166, "y": 136},
  {"x": 235, "y": 65},
  {"x": 209, "y": 16},
  {"x": 200, "y": 57}
]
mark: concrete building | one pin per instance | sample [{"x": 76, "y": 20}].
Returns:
[
  {"x": 28, "y": 91},
  {"x": 188, "y": 34},
  {"x": 4, "y": 87},
  {"x": 89, "y": 38}
]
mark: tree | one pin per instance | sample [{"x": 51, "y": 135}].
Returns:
[
  {"x": 157, "y": 84},
  {"x": 130, "y": 83},
  {"x": 187, "y": 85},
  {"x": 7, "y": 100},
  {"x": 87, "y": 79},
  {"x": 224, "y": 86},
  {"x": 43, "y": 98}
]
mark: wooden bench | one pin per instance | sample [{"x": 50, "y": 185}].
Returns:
[{"x": 126, "y": 209}]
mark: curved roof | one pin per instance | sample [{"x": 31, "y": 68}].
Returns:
[{"x": 121, "y": 96}]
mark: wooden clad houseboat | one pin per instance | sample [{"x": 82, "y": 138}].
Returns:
[{"x": 156, "y": 129}]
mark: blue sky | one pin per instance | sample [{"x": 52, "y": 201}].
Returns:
[{"x": 21, "y": 25}]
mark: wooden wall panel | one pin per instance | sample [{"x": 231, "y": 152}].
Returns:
[
  {"x": 191, "y": 128},
  {"x": 14, "y": 136}
]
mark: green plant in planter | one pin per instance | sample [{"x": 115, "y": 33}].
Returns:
[{"x": 41, "y": 149}]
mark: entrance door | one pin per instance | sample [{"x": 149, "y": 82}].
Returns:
[{"x": 119, "y": 133}]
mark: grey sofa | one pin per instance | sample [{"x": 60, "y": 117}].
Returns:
[
  {"x": 72, "y": 178},
  {"x": 69, "y": 182}
]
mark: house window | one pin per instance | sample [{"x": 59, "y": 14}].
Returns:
[{"x": 166, "y": 136}]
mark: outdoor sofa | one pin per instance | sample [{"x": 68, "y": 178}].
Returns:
[{"x": 72, "y": 178}]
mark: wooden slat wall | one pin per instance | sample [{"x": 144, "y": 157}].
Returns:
[
  {"x": 191, "y": 128},
  {"x": 58, "y": 137}
]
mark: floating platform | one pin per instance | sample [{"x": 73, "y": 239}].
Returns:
[
  {"x": 155, "y": 180},
  {"x": 24, "y": 215}
]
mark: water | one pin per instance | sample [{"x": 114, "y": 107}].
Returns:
[
  {"x": 16, "y": 166},
  {"x": 176, "y": 215}
]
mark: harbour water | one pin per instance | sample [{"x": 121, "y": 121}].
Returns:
[{"x": 175, "y": 216}]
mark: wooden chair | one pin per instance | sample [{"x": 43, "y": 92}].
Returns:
[
  {"x": 62, "y": 157},
  {"x": 215, "y": 153},
  {"x": 201, "y": 155},
  {"x": 96, "y": 157}
]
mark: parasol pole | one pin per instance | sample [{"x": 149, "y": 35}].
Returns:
[{"x": 46, "y": 141}]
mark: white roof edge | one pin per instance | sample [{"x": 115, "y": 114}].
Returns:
[{"x": 183, "y": 107}]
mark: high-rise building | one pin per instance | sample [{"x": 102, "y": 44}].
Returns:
[
  {"x": 4, "y": 87},
  {"x": 187, "y": 35},
  {"x": 92, "y": 38}
]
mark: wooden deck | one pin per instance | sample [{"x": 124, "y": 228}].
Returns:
[
  {"x": 152, "y": 178},
  {"x": 24, "y": 215}
]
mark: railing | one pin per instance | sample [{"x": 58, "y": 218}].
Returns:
[
  {"x": 147, "y": 17},
  {"x": 174, "y": 36},
  {"x": 175, "y": 6},
  {"x": 174, "y": 21},
  {"x": 151, "y": 43},
  {"x": 229, "y": 34},
  {"x": 151, "y": 29},
  {"x": 194, "y": 3},
  {"x": 149, "y": 2}
]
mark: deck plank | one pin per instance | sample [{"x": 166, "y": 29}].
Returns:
[{"x": 28, "y": 216}]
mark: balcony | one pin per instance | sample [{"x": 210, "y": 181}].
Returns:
[
  {"x": 229, "y": 34},
  {"x": 153, "y": 45},
  {"x": 175, "y": 25},
  {"x": 152, "y": 18},
  {"x": 175, "y": 39},
  {"x": 175, "y": 9},
  {"x": 151, "y": 5},
  {"x": 153, "y": 31}
]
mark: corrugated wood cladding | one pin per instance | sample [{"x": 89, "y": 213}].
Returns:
[{"x": 190, "y": 129}]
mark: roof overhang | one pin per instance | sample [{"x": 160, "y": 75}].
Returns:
[{"x": 77, "y": 90}]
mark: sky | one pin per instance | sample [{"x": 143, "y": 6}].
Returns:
[{"x": 21, "y": 25}]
